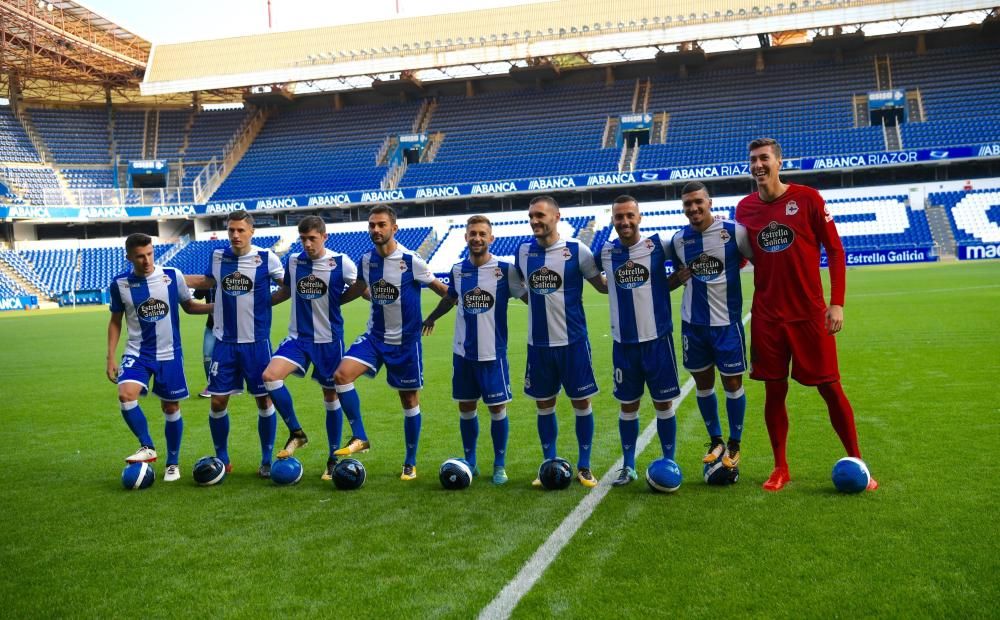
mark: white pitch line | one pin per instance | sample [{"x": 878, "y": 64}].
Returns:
[{"x": 502, "y": 606}]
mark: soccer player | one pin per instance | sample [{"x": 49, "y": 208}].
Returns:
[
  {"x": 315, "y": 279},
  {"x": 393, "y": 275},
  {"x": 481, "y": 286},
  {"x": 241, "y": 275},
  {"x": 711, "y": 316},
  {"x": 641, "y": 329},
  {"x": 558, "y": 349},
  {"x": 791, "y": 322},
  {"x": 148, "y": 297}
]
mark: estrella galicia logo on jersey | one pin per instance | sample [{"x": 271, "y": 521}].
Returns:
[
  {"x": 310, "y": 287},
  {"x": 477, "y": 301},
  {"x": 706, "y": 267},
  {"x": 544, "y": 281},
  {"x": 236, "y": 284},
  {"x": 631, "y": 274},
  {"x": 151, "y": 310},
  {"x": 384, "y": 293},
  {"x": 775, "y": 237}
]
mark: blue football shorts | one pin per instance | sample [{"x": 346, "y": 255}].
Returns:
[
  {"x": 234, "y": 364},
  {"x": 651, "y": 363},
  {"x": 567, "y": 366},
  {"x": 404, "y": 367},
  {"x": 721, "y": 346},
  {"x": 168, "y": 376},
  {"x": 487, "y": 379}
]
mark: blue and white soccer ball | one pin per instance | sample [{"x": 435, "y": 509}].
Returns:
[
  {"x": 664, "y": 476},
  {"x": 455, "y": 474},
  {"x": 555, "y": 474},
  {"x": 349, "y": 474},
  {"x": 209, "y": 470},
  {"x": 850, "y": 475},
  {"x": 717, "y": 474},
  {"x": 138, "y": 476},
  {"x": 286, "y": 471}
]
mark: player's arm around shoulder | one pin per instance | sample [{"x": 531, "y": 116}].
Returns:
[
  {"x": 199, "y": 282},
  {"x": 743, "y": 242},
  {"x": 281, "y": 295},
  {"x": 438, "y": 287},
  {"x": 444, "y": 307},
  {"x": 588, "y": 267},
  {"x": 192, "y": 307},
  {"x": 359, "y": 288}
]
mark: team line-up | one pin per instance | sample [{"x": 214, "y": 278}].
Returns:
[{"x": 780, "y": 228}]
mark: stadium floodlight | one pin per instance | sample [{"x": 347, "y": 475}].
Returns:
[
  {"x": 631, "y": 23},
  {"x": 448, "y": 42},
  {"x": 656, "y": 19},
  {"x": 562, "y": 32},
  {"x": 586, "y": 29},
  {"x": 667, "y": 19},
  {"x": 427, "y": 44},
  {"x": 573, "y": 29},
  {"x": 792, "y": 6},
  {"x": 645, "y": 21},
  {"x": 460, "y": 41}
]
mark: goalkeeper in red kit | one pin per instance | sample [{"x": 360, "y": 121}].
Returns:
[{"x": 791, "y": 324}]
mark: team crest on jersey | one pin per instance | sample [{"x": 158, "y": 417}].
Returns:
[
  {"x": 332, "y": 263},
  {"x": 236, "y": 284},
  {"x": 544, "y": 281},
  {"x": 631, "y": 274},
  {"x": 151, "y": 310},
  {"x": 826, "y": 212},
  {"x": 649, "y": 244},
  {"x": 566, "y": 254},
  {"x": 791, "y": 208},
  {"x": 775, "y": 237},
  {"x": 706, "y": 267},
  {"x": 498, "y": 273},
  {"x": 402, "y": 265},
  {"x": 477, "y": 301},
  {"x": 384, "y": 293},
  {"x": 724, "y": 236},
  {"x": 310, "y": 287},
  {"x": 167, "y": 279},
  {"x": 257, "y": 260}
]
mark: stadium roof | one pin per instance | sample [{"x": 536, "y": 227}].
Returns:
[{"x": 499, "y": 38}]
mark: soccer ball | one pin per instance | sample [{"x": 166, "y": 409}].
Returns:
[
  {"x": 349, "y": 474},
  {"x": 850, "y": 475},
  {"x": 664, "y": 476},
  {"x": 718, "y": 474},
  {"x": 555, "y": 474},
  {"x": 286, "y": 471},
  {"x": 209, "y": 470},
  {"x": 455, "y": 474},
  {"x": 138, "y": 476}
]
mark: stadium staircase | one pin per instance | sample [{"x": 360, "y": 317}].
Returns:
[
  {"x": 214, "y": 173},
  {"x": 152, "y": 134},
  {"x": 586, "y": 234},
  {"x": 610, "y": 132},
  {"x": 944, "y": 237},
  {"x": 395, "y": 173}
]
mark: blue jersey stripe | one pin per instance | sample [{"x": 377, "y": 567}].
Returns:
[
  {"x": 734, "y": 289},
  {"x": 629, "y": 330}
]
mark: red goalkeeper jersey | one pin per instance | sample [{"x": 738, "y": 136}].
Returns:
[{"x": 786, "y": 235}]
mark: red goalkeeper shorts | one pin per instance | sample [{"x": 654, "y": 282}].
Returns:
[{"x": 806, "y": 345}]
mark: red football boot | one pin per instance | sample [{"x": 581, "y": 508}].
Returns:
[
  {"x": 778, "y": 479},
  {"x": 872, "y": 484}
]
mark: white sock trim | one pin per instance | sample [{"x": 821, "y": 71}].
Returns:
[
  {"x": 704, "y": 393},
  {"x": 665, "y": 415},
  {"x": 347, "y": 387},
  {"x": 546, "y": 410},
  {"x": 271, "y": 386},
  {"x": 499, "y": 415},
  {"x": 218, "y": 414},
  {"x": 628, "y": 415},
  {"x": 129, "y": 405},
  {"x": 332, "y": 405},
  {"x": 581, "y": 413},
  {"x": 735, "y": 394},
  {"x": 266, "y": 413},
  {"x": 172, "y": 417},
  {"x": 468, "y": 415},
  {"x": 412, "y": 412}
]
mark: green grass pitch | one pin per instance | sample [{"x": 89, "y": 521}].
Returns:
[{"x": 919, "y": 356}]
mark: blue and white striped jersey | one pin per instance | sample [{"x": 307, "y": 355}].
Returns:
[
  {"x": 637, "y": 288},
  {"x": 243, "y": 293},
  {"x": 713, "y": 296},
  {"x": 316, "y": 287},
  {"x": 150, "y": 304},
  {"x": 482, "y": 294},
  {"x": 394, "y": 283},
  {"x": 554, "y": 278}
]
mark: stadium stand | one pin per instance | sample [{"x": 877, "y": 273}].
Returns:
[
  {"x": 321, "y": 150},
  {"x": 356, "y": 243},
  {"x": 15, "y": 146},
  {"x": 974, "y": 215},
  {"x": 194, "y": 257},
  {"x": 78, "y": 136},
  {"x": 33, "y": 181}
]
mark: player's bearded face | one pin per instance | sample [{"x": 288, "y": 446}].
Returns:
[
  {"x": 697, "y": 207},
  {"x": 478, "y": 238},
  {"x": 625, "y": 218},
  {"x": 381, "y": 229},
  {"x": 543, "y": 220}
]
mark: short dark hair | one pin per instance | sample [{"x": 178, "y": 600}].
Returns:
[
  {"x": 479, "y": 219},
  {"x": 693, "y": 186},
  {"x": 384, "y": 209},
  {"x": 544, "y": 198},
  {"x": 137, "y": 240},
  {"x": 623, "y": 199},
  {"x": 759, "y": 142},
  {"x": 240, "y": 215},
  {"x": 312, "y": 223}
]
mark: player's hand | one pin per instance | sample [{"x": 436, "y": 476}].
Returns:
[
  {"x": 112, "y": 371},
  {"x": 428, "y": 328},
  {"x": 834, "y": 319},
  {"x": 683, "y": 274}
]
